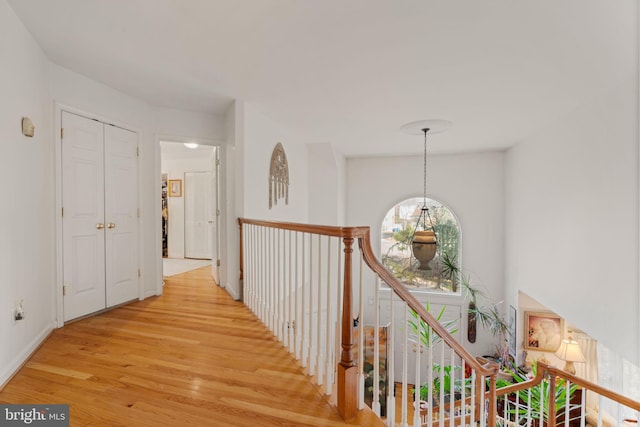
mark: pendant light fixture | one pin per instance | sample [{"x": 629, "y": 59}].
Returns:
[{"x": 424, "y": 242}]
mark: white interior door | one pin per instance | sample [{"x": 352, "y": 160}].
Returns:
[
  {"x": 197, "y": 215},
  {"x": 121, "y": 215},
  {"x": 83, "y": 216},
  {"x": 99, "y": 223},
  {"x": 215, "y": 210}
]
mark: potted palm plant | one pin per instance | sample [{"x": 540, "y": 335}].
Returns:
[{"x": 488, "y": 314}]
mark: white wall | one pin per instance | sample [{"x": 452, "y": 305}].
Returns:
[
  {"x": 251, "y": 137},
  {"x": 187, "y": 124},
  {"x": 471, "y": 185},
  {"x": 231, "y": 178},
  {"x": 326, "y": 175},
  {"x": 27, "y": 247},
  {"x": 30, "y": 85},
  {"x": 175, "y": 168},
  {"x": 572, "y": 218},
  {"x": 261, "y": 134}
]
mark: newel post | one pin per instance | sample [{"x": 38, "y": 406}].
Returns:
[{"x": 347, "y": 370}]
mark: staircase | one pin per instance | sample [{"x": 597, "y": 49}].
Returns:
[{"x": 309, "y": 284}]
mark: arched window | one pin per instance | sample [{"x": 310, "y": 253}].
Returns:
[{"x": 397, "y": 231}]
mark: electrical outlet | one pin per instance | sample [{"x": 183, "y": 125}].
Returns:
[{"x": 17, "y": 313}]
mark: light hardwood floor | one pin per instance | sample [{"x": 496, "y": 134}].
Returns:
[{"x": 193, "y": 357}]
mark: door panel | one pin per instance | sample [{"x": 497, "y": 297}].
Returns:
[
  {"x": 121, "y": 226},
  {"x": 83, "y": 204},
  {"x": 215, "y": 206},
  {"x": 197, "y": 205}
]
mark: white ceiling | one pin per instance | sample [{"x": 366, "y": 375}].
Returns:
[{"x": 352, "y": 72}]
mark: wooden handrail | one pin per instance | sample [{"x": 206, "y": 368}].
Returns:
[
  {"x": 553, "y": 372},
  {"x": 347, "y": 374},
  {"x": 414, "y": 304},
  {"x": 325, "y": 230}
]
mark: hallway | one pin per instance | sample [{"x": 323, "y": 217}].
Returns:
[{"x": 191, "y": 357}]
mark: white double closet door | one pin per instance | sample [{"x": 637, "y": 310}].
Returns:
[{"x": 100, "y": 220}]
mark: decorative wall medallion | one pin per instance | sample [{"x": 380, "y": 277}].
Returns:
[{"x": 278, "y": 176}]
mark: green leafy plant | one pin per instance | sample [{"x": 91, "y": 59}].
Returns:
[
  {"x": 487, "y": 314},
  {"x": 533, "y": 402},
  {"x": 448, "y": 384},
  {"x": 421, "y": 331}
]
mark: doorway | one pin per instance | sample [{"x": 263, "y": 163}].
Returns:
[
  {"x": 189, "y": 177},
  {"x": 99, "y": 216}
]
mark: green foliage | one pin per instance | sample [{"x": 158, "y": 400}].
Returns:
[
  {"x": 403, "y": 237},
  {"x": 489, "y": 315},
  {"x": 449, "y": 383},
  {"x": 448, "y": 235},
  {"x": 426, "y": 336},
  {"x": 532, "y": 401}
]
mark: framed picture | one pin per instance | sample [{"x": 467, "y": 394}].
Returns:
[
  {"x": 512, "y": 337},
  {"x": 175, "y": 188},
  {"x": 543, "y": 331}
]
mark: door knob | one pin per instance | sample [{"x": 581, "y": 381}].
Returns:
[
  {"x": 111, "y": 225},
  {"x": 100, "y": 226}
]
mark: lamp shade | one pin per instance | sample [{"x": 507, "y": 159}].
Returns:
[{"x": 569, "y": 351}]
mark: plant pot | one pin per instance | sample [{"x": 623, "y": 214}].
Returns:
[{"x": 424, "y": 247}]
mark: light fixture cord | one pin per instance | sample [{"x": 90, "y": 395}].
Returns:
[{"x": 424, "y": 196}]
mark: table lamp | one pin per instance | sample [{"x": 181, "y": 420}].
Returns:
[{"x": 570, "y": 352}]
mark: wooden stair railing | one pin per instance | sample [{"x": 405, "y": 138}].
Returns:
[
  {"x": 269, "y": 248},
  {"x": 546, "y": 372},
  {"x": 347, "y": 380}
]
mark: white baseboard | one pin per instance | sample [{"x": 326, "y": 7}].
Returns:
[
  {"x": 233, "y": 292},
  {"x": 153, "y": 293},
  {"x": 17, "y": 363}
]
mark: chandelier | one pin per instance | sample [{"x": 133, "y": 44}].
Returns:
[{"x": 424, "y": 242}]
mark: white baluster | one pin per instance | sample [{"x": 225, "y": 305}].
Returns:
[
  {"x": 452, "y": 389},
  {"x": 318, "y": 304},
  {"x": 441, "y": 403},
  {"x": 405, "y": 362},
  {"x": 473, "y": 397},
  {"x": 297, "y": 299},
  {"x": 312, "y": 329},
  {"x": 391, "y": 333},
  {"x": 430, "y": 395},
  {"x": 290, "y": 315},
  {"x": 338, "y": 321},
  {"x": 416, "y": 393},
  {"x": 376, "y": 350},
  {"x": 303, "y": 317},
  {"x": 360, "y": 343},
  {"x": 272, "y": 280},
  {"x": 249, "y": 267},
  {"x": 262, "y": 275},
  {"x": 328, "y": 338}
]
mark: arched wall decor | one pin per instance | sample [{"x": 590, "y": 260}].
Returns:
[{"x": 278, "y": 176}]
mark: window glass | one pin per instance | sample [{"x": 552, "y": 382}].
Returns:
[{"x": 398, "y": 229}]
